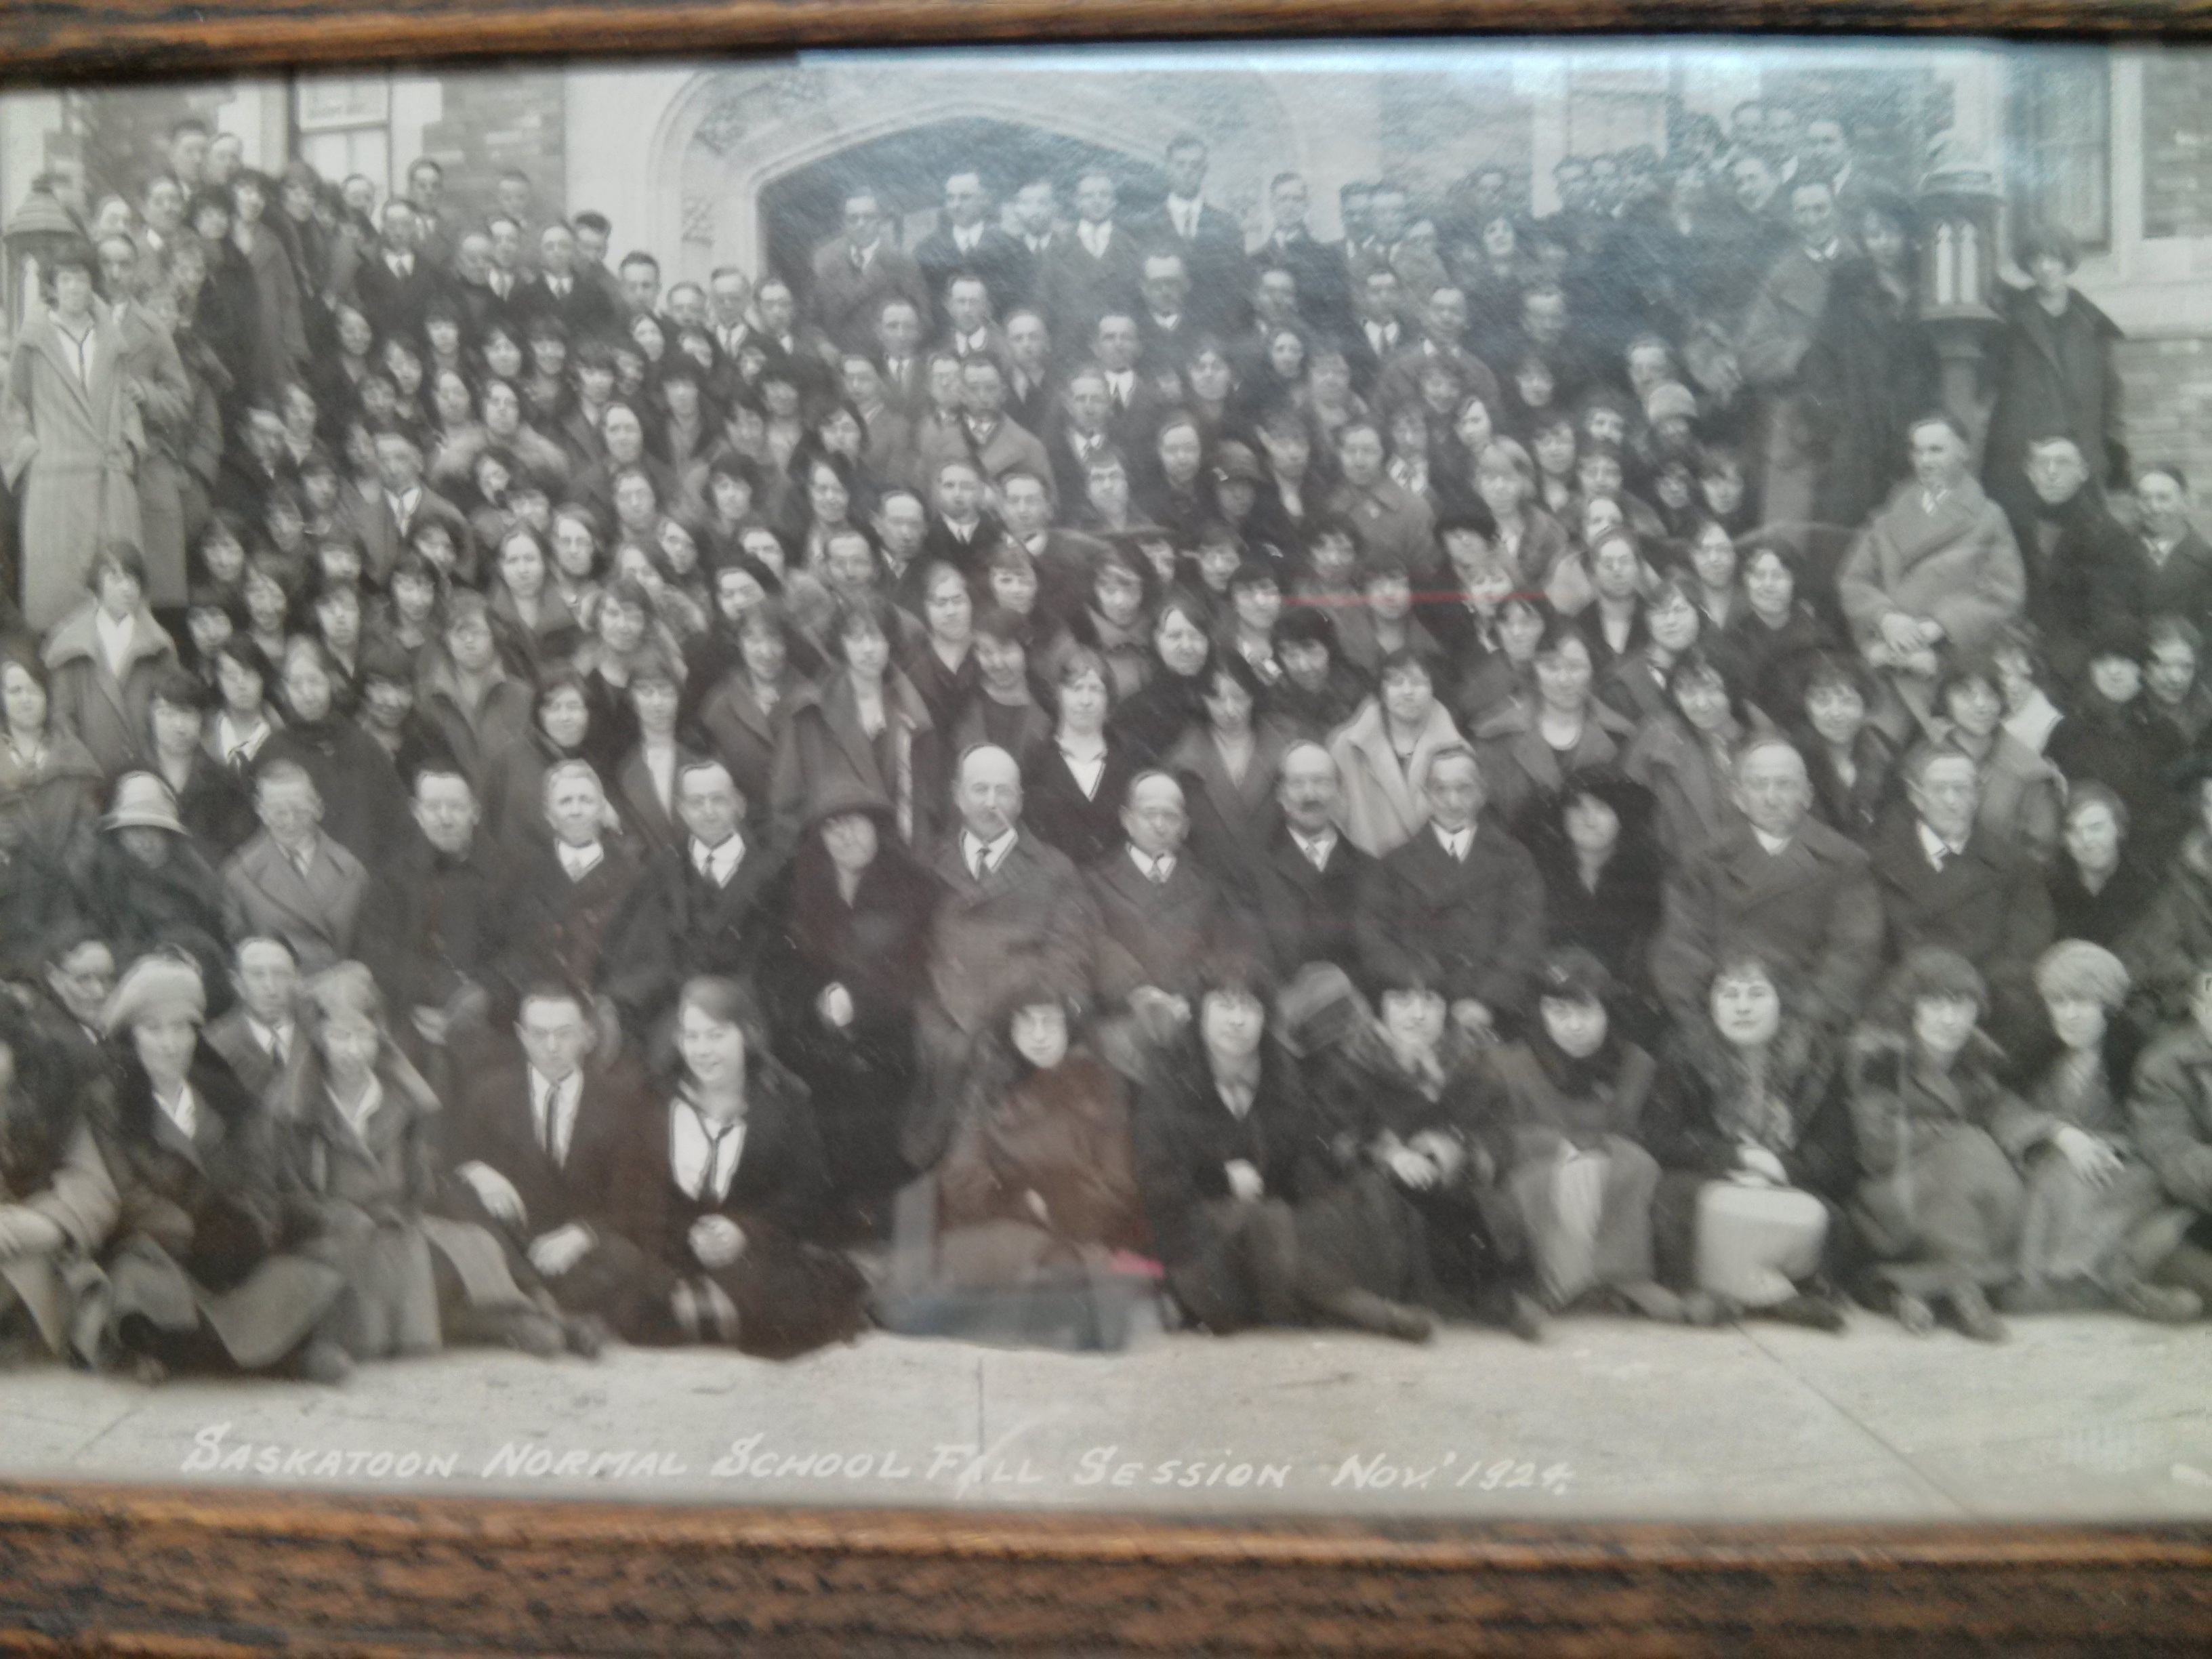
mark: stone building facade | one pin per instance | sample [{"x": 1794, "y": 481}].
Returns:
[{"x": 740, "y": 162}]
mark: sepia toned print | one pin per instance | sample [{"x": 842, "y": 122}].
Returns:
[{"x": 1461, "y": 782}]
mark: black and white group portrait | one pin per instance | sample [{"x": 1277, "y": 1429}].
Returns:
[{"x": 1068, "y": 703}]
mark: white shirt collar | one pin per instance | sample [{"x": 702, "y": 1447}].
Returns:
[
  {"x": 1458, "y": 842},
  {"x": 560, "y": 1102},
  {"x": 718, "y": 864},
  {"x": 1315, "y": 848},
  {"x": 965, "y": 240},
  {"x": 704, "y": 1158},
  {"x": 995, "y": 852},
  {"x": 1151, "y": 867},
  {"x": 1775, "y": 844},
  {"x": 276, "y": 1038},
  {"x": 580, "y": 861},
  {"x": 1936, "y": 846}
]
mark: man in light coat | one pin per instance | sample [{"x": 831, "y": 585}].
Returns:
[{"x": 1937, "y": 567}]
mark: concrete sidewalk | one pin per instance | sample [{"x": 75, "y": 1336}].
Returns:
[{"x": 2080, "y": 1417}]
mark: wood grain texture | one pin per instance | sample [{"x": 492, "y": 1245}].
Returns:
[
  {"x": 191, "y": 1573},
  {"x": 81, "y": 39}
]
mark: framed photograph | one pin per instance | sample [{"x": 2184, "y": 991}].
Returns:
[{"x": 856, "y": 830}]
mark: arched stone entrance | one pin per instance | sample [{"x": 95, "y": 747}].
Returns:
[{"x": 735, "y": 148}]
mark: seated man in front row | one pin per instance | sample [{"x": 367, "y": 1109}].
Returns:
[{"x": 532, "y": 1144}]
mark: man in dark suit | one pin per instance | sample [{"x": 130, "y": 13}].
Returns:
[
  {"x": 966, "y": 241},
  {"x": 256, "y": 1036},
  {"x": 1037, "y": 232},
  {"x": 1323, "y": 281},
  {"x": 557, "y": 291},
  {"x": 484, "y": 289},
  {"x": 1782, "y": 885},
  {"x": 2076, "y": 556},
  {"x": 1210, "y": 243},
  {"x": 436, "y": 921},
  {"x": 711, "y": 904},
  {"x": 1032, "y": 390},
  {"x": 960, "y": 532},
  {"x": 1949, "y": 881},
  {"x": 1160, "y": 914},
  {"x": 968, "y": 329},
  {"x": 395, "y": 282},
  {"x": 1066, "y": 561},
  {"x": 1078, "y": 432},
  {"x": 1095, "y": 271},
  {"x": 1015, "y": 920},
  {"x": 386, "y": 524},
  {"x": 900, "y": 358},
  {"x": 535, "y": 1143},
  {"x": 856, "y": 271},
  {"x": 1306, "y": 889},
  {"x": 1134, "y": 404},
  {"x": 1464, "y": 893},
  {"x": 567, "y": 892},
  {"x": 2166, "y": 567},
  {"x": 1383, "y": 331},
  {"x": 1167, "y": 321}
]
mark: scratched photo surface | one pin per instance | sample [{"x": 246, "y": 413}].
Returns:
[{"x": 1464, "y": 780}]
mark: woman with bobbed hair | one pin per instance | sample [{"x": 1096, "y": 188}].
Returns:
[
  {"x": 1604, "y": 871},
  {"x": 1938, "y": 1203},
  {"x": 1776, "y": 628},
  {"x": 2096, "y": 1219},
  {"x": 360, "y": 1148},
  {"x": 57, "y": 1198},
  {"x": 1040, "y": 1232},
  {"x": 1851, "y": 760},
  {"x": 2019, "y": 790},
  {"x": 1575, "y": 1092},
  {"x": 1152, "y": 721},
  {"x": 47, "y": 777},
  {"x": 1529, "y": 751},
  {"x": 1686, "y": 757},
  {"x": 200, "y": 1275},
  {"x": 2100, "y": 887},
  {"x": 1748, "y": 1127},
  {"x": 722, "y": 1184},
  {"x": 743, "y": 715},
  {"x": 2054, "y": 370},
  {"x": 864, "y": 727},
  {"x": 1073, "y": 785},
  {"x": 1384, "y": 753},
  {"x": 1227, "y": 768}
]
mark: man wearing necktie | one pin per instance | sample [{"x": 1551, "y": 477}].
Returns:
[
  {"x": 1947, "y": 881},
  {"x": 535, "y": 1143},
  {"x": 1210, "y": 243},
  {"x": 1160, "y": 914},
  {"x": 393, "y": 286},
  {"x": 857, "y": 271},
  {"x": 969, "y": 242},
  {"x": 258, "y": 1035},
  {"x": 1095, "y": 271},
  {"x": 1016, "y": 916},
  {"x": 293, "y": 880}
]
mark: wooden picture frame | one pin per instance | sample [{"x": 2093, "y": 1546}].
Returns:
[{"x": 172, "y": 1570}]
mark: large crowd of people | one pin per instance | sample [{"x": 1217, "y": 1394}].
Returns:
[{"x": 1502, "y": 764}]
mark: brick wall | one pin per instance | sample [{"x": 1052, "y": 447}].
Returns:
[
  {"x": 2169, "y": 405},
  {"x": 493, "y": 123}
]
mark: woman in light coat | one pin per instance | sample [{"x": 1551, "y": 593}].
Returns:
[
  {"x": 76, "y": 469},
  {"x": 1382, "y": 756}
]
